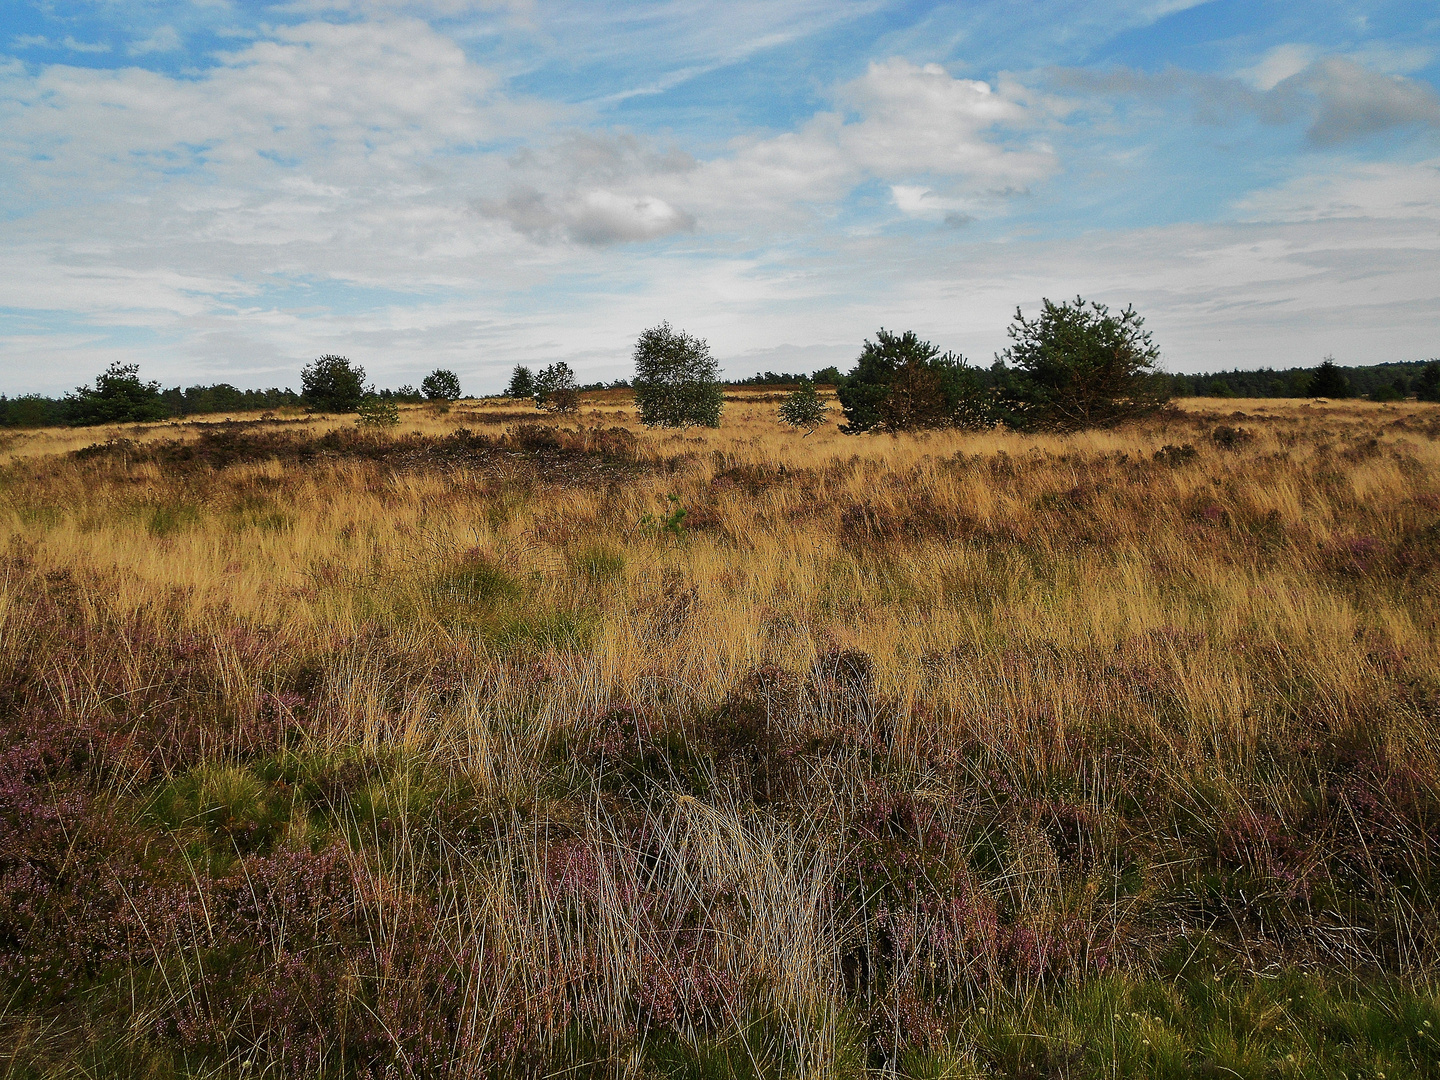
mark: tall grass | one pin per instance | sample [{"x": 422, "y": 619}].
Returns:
[{"x": 459, "y": 752}]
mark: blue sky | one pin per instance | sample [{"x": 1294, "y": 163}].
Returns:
[{"x": 221, "y": 190}]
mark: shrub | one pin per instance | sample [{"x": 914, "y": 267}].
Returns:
[
  {"x": 677, "y": 381},
  {"x": 1081, "y": 366},
  {"x": 901, "y": 383},
  {"x": 803, "y": 408},
  {"x": 441, "y": 385},
  {"x": 522, "y": 383},
  {"x": 1389, "y": 392},
  {"x": 1231, "y": 438},
  {"x": 1328, "y": 381},
  {"x": 117, "y": 397},
  {"x": 555, "y": 389},
  {"x": 333, "y": 383},
  {"x": 377, "y": 412}
]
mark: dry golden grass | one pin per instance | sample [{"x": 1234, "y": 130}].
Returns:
[{"x": 1082, "y": 670}]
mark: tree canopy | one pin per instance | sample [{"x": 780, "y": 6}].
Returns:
[
  {"x": 1079, "y": 365},
  {"x": 333, "y": 383},
  {"x": 677, "y": 380}
]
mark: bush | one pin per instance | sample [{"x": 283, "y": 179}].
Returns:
[
  {"x": 803, "y": 408},
  {"x": 333, "y": 383},
  {"x": 677, "y": 381},
  {"x": 555, "y": 389},
  {"x": 1328, "y": 381},
  {"x": 522, "y": 383},
  {"x": 441, "y": 385},
  {"x": 377, "y": 412},
  {"x": 117, "y": 397},
  {"x": 1080, "y": 366},
  {"x": 901, "y": 383}
]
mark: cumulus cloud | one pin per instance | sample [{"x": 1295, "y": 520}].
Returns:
[
  {"x": 1343, "y": 101},
  {"x": 596, "y": 218},
  {"x": 945, "y": 145}
]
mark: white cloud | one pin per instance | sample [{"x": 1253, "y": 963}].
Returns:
[
  {"x": 1342, "y": 100},
  {"x": 1354, "y": 101},
  {"x": 163, "y": 40},
  {"x": 901, "y": 124},
  {"x": 85, "y": 46},
  {"x": 1278, "y": 64},
  {"x": 596, "y": 218},
  {"x": 363, "y": 186},
  {"x": 1365, "y": 192}
]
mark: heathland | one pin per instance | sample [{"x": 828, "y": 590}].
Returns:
[{"x": 489, "y": 746}]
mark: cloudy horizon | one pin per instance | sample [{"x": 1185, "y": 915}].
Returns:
[{"x": 220, "y": 191}]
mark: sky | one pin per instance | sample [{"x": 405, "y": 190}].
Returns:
[{"x": 222, "y": 190}]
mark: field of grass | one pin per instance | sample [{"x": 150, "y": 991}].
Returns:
[{"x": 489, "y": 748}]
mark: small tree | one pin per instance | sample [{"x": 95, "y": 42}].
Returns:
[
  {"x": 1080, "y": 366},
  {"x": 441, "y": 385},
  {"x": 802, "y": 408},
  {"x": 555, "y": 389},
  {"x": 117, "y": 397},
  {"x": 1328, "y": 381},
  {"x": 522, "y": 383},
  {"x": 1427, "y": 384},
  {"x": 677, "y": 381},
  {"x": 333, "y": 383},
  {"x": 901, "y": 383},
  {"x": 377, "y": 412}
]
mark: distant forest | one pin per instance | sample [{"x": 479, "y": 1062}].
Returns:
[
  {"x": 1380, "y": 382},
  {"x": 34, "y": 410},
  {"x": 1387, "y": 382},
  {"x": 1384, "y": 382}
]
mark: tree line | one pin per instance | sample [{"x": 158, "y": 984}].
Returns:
[
  {"x": 1378, "y": 382},
  {"x": 119, "y": 396},
  {"x": 1075, "y": 365}
]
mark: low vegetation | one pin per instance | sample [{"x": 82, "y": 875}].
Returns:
[{"x": 480, "y": 746}]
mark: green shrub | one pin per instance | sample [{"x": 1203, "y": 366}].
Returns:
[
  {"x": 118, "y": 397},
  {"x": 377, "y": 412},
  {"x": 522, "y": 383},
  {"x": 333, "y": 383},
  {"x": 901, "y": 383},
  {"x": 441, "y": 385},
  {"x": 677, "y": 381},
  {"x": 555, "y": 389},
  {"x": 803, "y": 408},
  {"x": 1080, "y": 366},
  {"x": 1329, "y": 381}
]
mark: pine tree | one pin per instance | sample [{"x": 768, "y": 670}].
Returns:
[{"x": 803, "y": 408}]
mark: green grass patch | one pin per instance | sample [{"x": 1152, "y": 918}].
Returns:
[
  {"x": 169, "y": 518},
  {"x": 1203, "y": 1024},
  {"x": 599, "y": 564}
]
